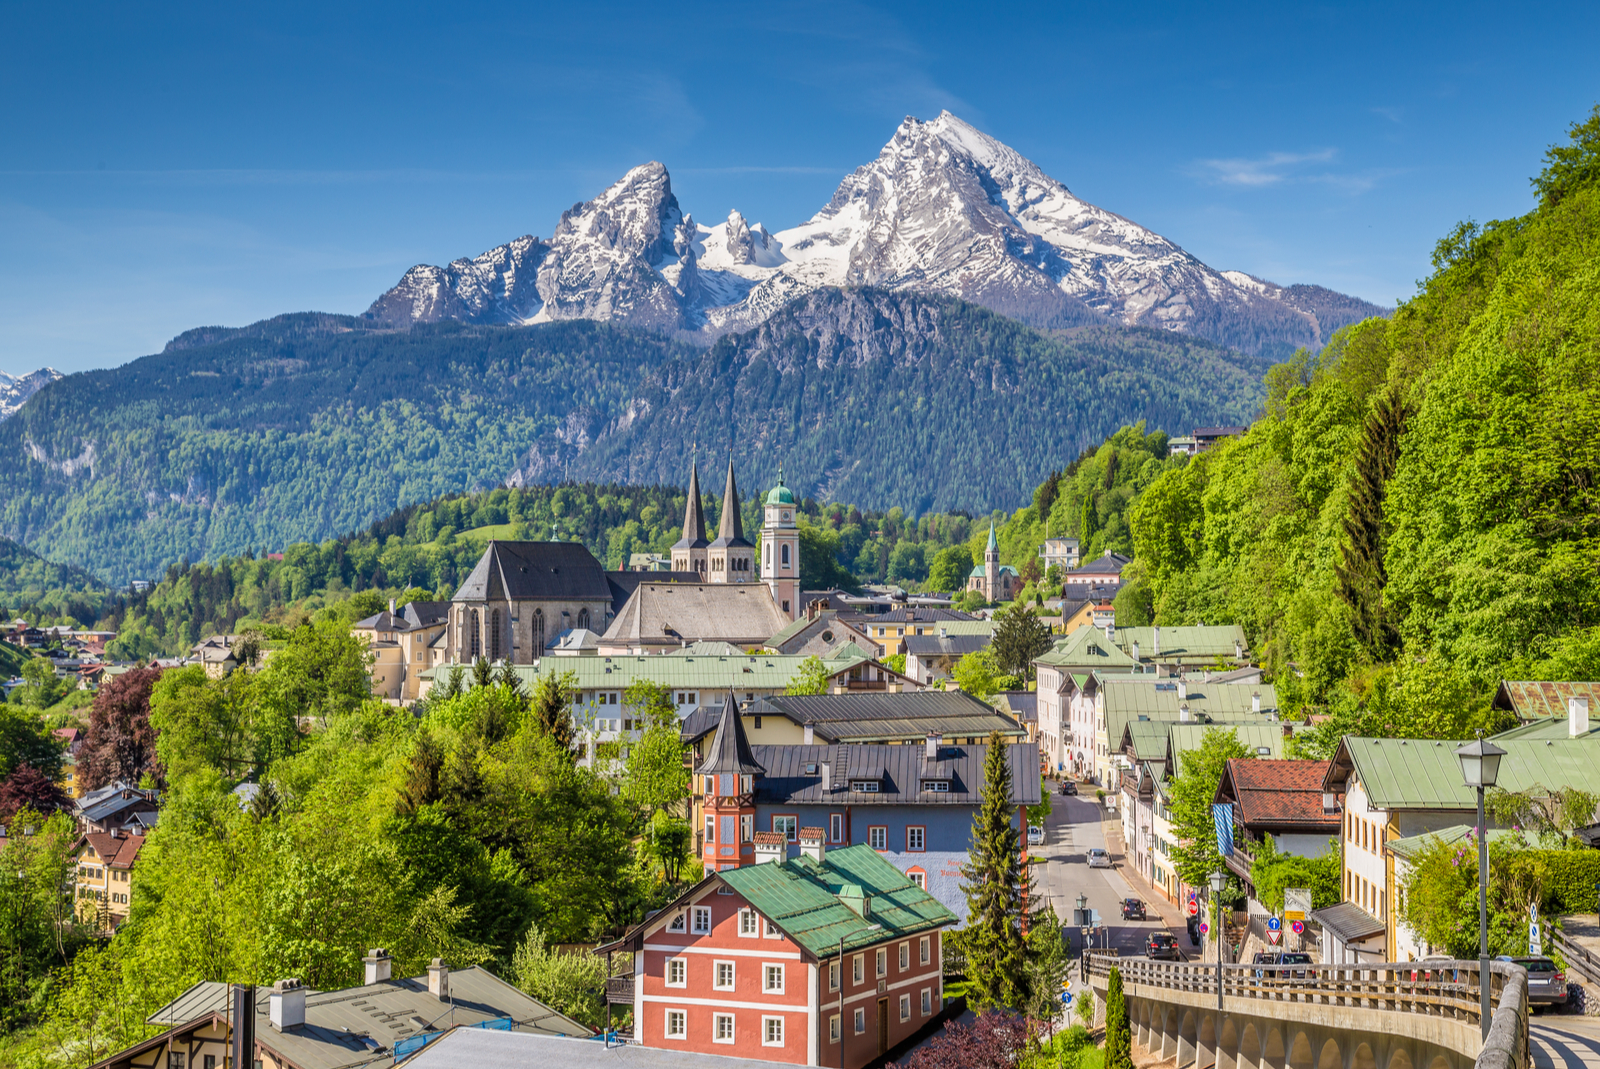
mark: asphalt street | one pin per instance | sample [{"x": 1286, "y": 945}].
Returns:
[{"x": 1074, "y": 827}]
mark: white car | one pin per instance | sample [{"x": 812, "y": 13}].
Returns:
[
  {"x": 1035, "y": 835},
  {"x": 1098, "y": 858}
]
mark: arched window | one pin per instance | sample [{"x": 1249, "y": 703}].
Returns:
[
  {"x": 475, "y": 647},
  {"x": 583, "y": 618},
  {"x": 494, "y": 635},
  {"x": 786, "y": 554},
  {"x": 538, "y": 632}
]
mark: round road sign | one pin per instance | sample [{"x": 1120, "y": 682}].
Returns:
[
  {"x": 1298, "y": 926},
  {"x": 1273, "y": 924},
  {"x": 1204, "y": 927},
  {"x": 1194, "y": 908}
]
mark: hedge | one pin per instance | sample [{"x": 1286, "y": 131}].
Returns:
[{"x": 1571, "y": 878}]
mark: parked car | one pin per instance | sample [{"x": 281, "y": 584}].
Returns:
[
  {"x": 1547, "y": 984},
  {"x": 1098, "y": 858},
  {"x": 1035, "y": 835},
  {"x": 1162, "y": 945},
  {"x": 1069, "y": 787},
  {"x": 1132, "y": 909},
  {"x": 1264, "y": 960}
]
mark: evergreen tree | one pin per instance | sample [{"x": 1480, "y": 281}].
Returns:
[
  {"x": 1048, "y": 965},
  {"x": 1360, "y": 578},
  {"x": 1019, "y": 637},
  {"x": 1119, "y": 1040},
  {"x": 994, "y": 884}
]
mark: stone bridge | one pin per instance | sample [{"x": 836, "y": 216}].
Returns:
[{"x": 1399, "y": 1015}]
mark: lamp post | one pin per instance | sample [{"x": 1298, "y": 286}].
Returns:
[
  {"x": 1480, "y": 767},
  {"x": 1219, "y": 880}
]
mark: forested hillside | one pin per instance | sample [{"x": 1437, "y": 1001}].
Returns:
[
  {"x": 308, "y": 426},
  {"x": 1418, "y": 513}
]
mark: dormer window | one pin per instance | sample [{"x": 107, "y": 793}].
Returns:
[
  {"x": 936, "y": 786},
  {"x": 864, "y": 786}
]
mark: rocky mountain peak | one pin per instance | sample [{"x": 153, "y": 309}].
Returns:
[{"x": 16, "y": 389}]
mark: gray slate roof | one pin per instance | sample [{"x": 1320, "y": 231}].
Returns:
[
  {"x": 623, "y": 584},
  {"x": 478, "y": 1048},
  {"x": 900, "y": 768},
  {"x": 564, "y": 571},
  {"x": 740, "y": 613},
  {"x": 884, "y": 716},
  {"x": 729, "y": 751},
  {"x": 945, "y": 646}
]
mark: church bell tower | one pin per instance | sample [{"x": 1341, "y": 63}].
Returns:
[{"x": 780, "y": 549}]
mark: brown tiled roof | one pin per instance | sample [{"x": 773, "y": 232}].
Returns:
[
  {"x": 1278, "y": 793},
  {"x": 768, "y": 837},
  {"x": 1538, "y": 699},
  {"x": 127, "y": 852}
]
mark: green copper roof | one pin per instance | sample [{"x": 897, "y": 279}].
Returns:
[
  {"x": 807, "y": 900},
  {"x": 992, "y": 543},
  {"x": 1426, "y": 774}
]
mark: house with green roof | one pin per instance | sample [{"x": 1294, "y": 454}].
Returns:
[
  {"x": 1185, "y": 646},
  {"x": 995, "y": 581},
  {"x": 1068, "y": 691},
  {"x": 833, "y": 957}
]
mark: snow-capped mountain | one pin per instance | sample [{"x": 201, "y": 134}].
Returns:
[
  {"x": 16, "y": 389},
  {"x": 944, "y": 209}
]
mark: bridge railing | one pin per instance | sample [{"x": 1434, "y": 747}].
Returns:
[{"x": 1434, "y": 988}]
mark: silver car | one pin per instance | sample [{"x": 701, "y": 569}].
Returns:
[{"x": 1098, "y": 858}]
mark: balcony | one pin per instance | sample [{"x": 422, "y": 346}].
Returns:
[
  {"x": 619, "y": 990},
  {"x": 866, "y": 684}
]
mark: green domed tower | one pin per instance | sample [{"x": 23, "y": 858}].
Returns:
[{"x": 780, "y": 549}]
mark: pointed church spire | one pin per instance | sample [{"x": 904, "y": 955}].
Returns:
[
  {"x": 993, "y": 545},
  {"x": 694, "y": 517},
  {"x": 729, "y": 751},
  {"x": 732, "y": 524}
]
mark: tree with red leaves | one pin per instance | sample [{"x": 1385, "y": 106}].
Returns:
[
  {"x": 28, "y": 788},
  {"x": 995, "y": 1040},
  {"x": 120, "y": 744}
]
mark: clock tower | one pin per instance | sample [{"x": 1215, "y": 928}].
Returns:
[{"x": 780, "y": 549}]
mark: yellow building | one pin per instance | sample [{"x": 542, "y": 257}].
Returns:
[{"x": 103, "y": 885}]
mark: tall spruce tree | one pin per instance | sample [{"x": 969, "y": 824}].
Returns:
[
  {"x": 1019, "y": 637},
  {"x": 994, "y": 883},
  {"x": 1360, "y": 575},
  {"x": 1119, "y": 1040}
]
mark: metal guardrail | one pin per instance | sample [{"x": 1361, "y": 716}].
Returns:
[
  {"x": 1579, "y": 960},
  {"x": 1447, "y": 989}
]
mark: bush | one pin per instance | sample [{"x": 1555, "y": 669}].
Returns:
[{"x": 1571, "y": 877}]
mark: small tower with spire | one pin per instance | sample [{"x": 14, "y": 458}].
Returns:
[
  {"x": 726, "y": 781},
  {"x": 991, "y": 567},
  {"x": 780, "y": 549},
  {"x": 689, "y": 552},
  {"x": 730, "y": 558}
]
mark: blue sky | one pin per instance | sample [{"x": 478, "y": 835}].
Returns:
[{"x": 169, "y": 167}]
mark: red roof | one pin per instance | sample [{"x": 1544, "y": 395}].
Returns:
[
  {"x": 1278, "y": 793},
  {"x": 116, "y": 851}
]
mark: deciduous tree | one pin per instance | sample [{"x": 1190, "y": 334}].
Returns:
[{"x": 120, "y": 743}]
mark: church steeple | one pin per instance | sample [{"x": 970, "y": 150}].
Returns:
[
  {"x": 731, "y": 527},
  {"x": 732, "y": 559},
  {"x": 689, "y": 552}
]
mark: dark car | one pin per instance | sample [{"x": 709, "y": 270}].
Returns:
[
  {"x": 1547, "y": 984},
  {"x": 1162, "y": 945},
  {"x": 1069, "y": 787},
  {"x": 1264, "y": 960},
  {"x": 1132, "y": 909}
]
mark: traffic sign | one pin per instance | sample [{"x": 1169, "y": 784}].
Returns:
[
  {"x": 1273, "y": 924},
  {"x": 1204, "y": 927},
  {"x": 1273, "y": 936},
  {"x": 1534, "y": 945},
  {"x": 1299, "y": 927},
  {"x": 1194, "y": 908}
]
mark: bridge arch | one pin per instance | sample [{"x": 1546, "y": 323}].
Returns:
[
  {"x": 1188, "y": 1034},
  {"x": 1249, "y": 1056},
  {"x": 1273, "y": 1055},
  {"x": 1331, "y": 1057},
  {"x": 1400, "y": 1058},
  {"x": 1363, "y": 1058},
  {"x": 1206, "y": 1040},
  {"x": 1228, "y": 1046},
  {"x": 1300, "y": 1052}
]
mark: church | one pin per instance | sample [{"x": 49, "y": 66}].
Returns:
[
  {"x": 995, "y": 581},
  {"x": 522, "y": 596}
]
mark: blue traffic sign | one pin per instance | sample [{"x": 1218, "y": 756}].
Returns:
[{"x": 1273, "y": 924}]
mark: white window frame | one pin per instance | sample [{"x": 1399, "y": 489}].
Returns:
[
  {"x": 769, "y": 970},
  {"x": 861, "y": 1021},
  {"x": 749, "y": 924},
  {"x": 833, "y": 1028},
  {"x": 679, "y": 966},
  {"x": 925, "y": 950},
  {"x": 883, "y": 961},
  {"x": 772, "y": 930},
  {"x": 701, "y": 914},
  {"x": 919, "y": 878},
  {"x": 916, "y": 839},
  {"x": 716, "y": 975},
  {"x": 836, "y": 827},
  {"x": 878, "y": 837},
  {"x": 716, "y": 1026},
  {"x": 858, "y": 968},
  {"x": 905, "y": 956},
  {"x": 833, "y": 975},
  {"x": 682, "y": 1018},
  {"x": 767, "y": 1023},
  {"x": 786, "y": 825},
  {"x": 678, "y": 923},
  {"x": 905, "y": 1007},
  {"x": 927, "y": 1001}
]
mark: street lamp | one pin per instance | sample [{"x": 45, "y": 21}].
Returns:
[
  {"x": 1480, "y": 767},
  {"x": 1219, "y": 880}
]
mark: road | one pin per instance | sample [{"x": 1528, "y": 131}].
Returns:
[
  {"x": 1563, "y": 1042},
  {"x": 1074, "y": 827}
]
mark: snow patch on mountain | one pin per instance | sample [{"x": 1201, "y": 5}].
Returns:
[{"x": 16, "y": 389}]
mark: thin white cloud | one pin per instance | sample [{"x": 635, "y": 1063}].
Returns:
[
  {"x": 1392, "y": 114},
  {"x": 1268, "y": 170}
]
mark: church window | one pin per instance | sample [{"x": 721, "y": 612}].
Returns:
[
  {"x": 785, "y": 556},
  {"x": 583, "y": 618},
  {"x": 476, "y": 642},
  {"x": 494, "y": 635},
  {"x": 538, "y": 632}
]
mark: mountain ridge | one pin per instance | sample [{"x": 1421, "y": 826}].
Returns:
[{"x": 944, "y": 209}]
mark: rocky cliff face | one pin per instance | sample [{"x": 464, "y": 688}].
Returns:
[{"x": 944, "y": 209}]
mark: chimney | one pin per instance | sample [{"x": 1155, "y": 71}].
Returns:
[
  {"x": 1255, "y": 702},
  {"x": 1577, "y": 717},
  {"x": 391, "y": 606},
  {"x": 810, "y": 736},
  {"x": 286, "y": 1006},
  {"x": 813, "y": 844},
  {"x": 1238, "y": 650},
  {"x": 827, "y": 777},
  {"x": 439, "y": 980},
  {"x": 1111, "y": 630},
  {"x": 1183, "y": 689},
  {"x": 378, "y": 963},
  {"x": 1136, "y": 650},
  {"x": 934, "y": 739},
  {"x": 770, "y": 846},
  {"x": 1183, "y": 713},
  {"x": 1155, "y": 640},
  {"x": 242, "y": 1043}
]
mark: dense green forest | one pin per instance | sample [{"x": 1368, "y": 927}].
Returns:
[
  {"x": 307, "y": 427},
  {"x": 1417, "y": 515}
]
